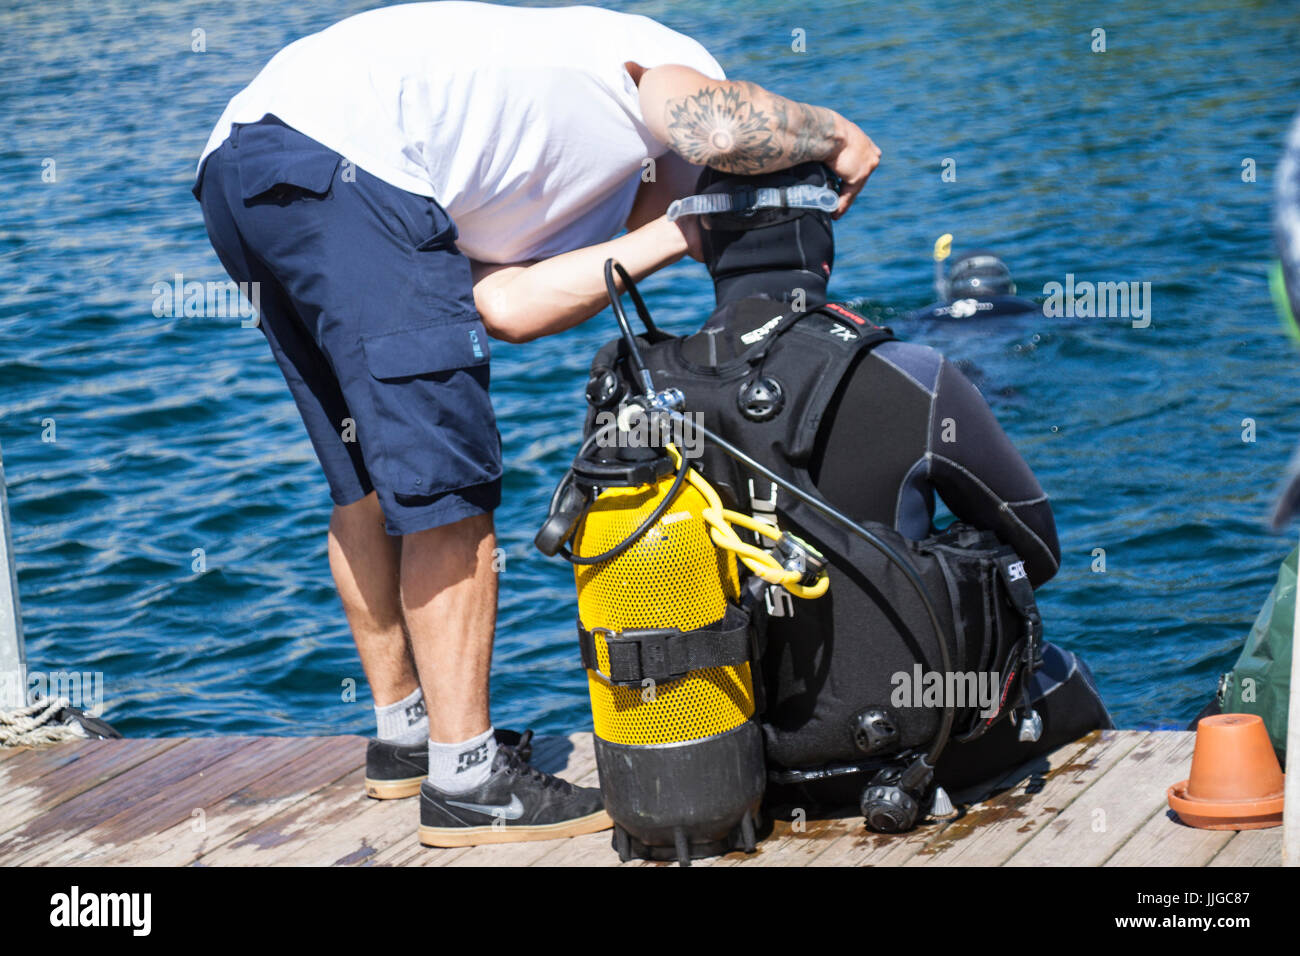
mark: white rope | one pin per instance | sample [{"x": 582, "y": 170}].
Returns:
[{"x": 31, "y": 726}]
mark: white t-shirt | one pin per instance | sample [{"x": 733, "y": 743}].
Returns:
[{"x": 521, "y": 121}]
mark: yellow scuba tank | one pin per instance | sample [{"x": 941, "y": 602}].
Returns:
[
  {"x": 679, "y": 753},
  {"x": 665, "y": 639},
  {"x": 673, "y": 577}
]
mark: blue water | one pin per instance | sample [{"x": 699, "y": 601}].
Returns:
[{"x": 178, "y": 434}]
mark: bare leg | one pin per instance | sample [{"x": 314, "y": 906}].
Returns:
[
  {"x": 365, "y": 560},
  {"x": 449, "y": 594}
]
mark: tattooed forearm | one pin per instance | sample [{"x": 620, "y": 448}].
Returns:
[
  {"x": 742, "y": 128},
  {"x": 814, "y": 134}
]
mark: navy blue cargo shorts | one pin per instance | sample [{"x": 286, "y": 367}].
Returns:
[{"x": 369, "y": 310}]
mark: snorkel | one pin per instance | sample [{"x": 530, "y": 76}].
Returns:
[{"x": 942, "y": 250}]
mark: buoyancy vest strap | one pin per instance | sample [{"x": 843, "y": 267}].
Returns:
[
  {"x": 824, "y": 391},
  {"x": 821, "y": 381},
  {"x": 1011, "y": 568},
  {"x": 758, "y": 352},
  {"x": 666, "y": 654}
]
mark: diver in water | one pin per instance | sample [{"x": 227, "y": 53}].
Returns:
[
  {"x": 901, "y": 428},
  {"x": 977, "y": 285}
]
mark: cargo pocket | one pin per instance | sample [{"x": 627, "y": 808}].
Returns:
[
  {"x": 291, "y": 176},
  {"x": 433, "y": 429},
  {"x": 277, "y": 163}
]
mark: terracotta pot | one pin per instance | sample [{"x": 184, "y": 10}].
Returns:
[{"x": 1236, "y": 783}]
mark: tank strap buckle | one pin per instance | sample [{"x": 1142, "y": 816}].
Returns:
[{"x": 663, "y": 654}]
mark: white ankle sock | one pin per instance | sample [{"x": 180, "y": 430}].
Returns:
[
  {"x": 456, "y": 768},
  {"x": 405, "y": 722}
]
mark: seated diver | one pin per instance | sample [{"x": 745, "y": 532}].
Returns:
[{"x": 879, "y": 428}]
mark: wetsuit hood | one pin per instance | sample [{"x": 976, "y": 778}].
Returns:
[{"x": 769, "y": 251}]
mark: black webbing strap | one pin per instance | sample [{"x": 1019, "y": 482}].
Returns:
[
  {"x": 666, "y": 654},
  {"x": 870, "y": 335},
  {"x": 1021, "y": 593}
]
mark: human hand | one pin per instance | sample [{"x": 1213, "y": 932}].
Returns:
[
  {"x": 688, "y": 228},
  {"x": 854, "y": 162}
]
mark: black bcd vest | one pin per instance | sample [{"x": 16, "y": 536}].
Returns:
[{"x": 856, "y": 673}]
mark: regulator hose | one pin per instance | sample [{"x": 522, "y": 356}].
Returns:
[{"x": 650, "y": 521}]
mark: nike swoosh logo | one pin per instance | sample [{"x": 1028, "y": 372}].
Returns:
[{"x": 508, "y": 811}]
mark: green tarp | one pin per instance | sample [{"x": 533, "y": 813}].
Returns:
[{"x": 1259, "y": 682}]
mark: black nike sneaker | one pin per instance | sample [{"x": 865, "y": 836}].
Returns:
[
  {"x": 517, "y": 802},
  {"x": 394, "y": 770}
]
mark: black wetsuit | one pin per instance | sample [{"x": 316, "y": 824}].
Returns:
[{"x": 906, "y": 425}]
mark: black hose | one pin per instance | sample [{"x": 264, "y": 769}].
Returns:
[
  {"x": 642, "y": 312},
  {"x": 616, "y": 303},
  {"x": 650, "y": 521},
  {"x": 595, "y": 436}
]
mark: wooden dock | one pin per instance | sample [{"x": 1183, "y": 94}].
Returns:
[{"x": 234, "y": 801}]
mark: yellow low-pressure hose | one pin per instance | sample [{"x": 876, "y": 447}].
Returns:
[{"x": 762, "y": 563}]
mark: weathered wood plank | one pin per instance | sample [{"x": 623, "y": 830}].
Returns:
[
  {"x": 414, "y": 853},
  {"x": 990, "y": 833},
  {"x": 799, "y": 844},
  {"x": 166, "y": 806},
  {"x": 300, "y": 802},
  {"x": 322, "y": 762},
  {"x": 1092, "y": 828},
  {"x": 186, "y": 758},
  {"x": 260, "y": 844},
  {"x": 337, "y": 824},
  {"x": 30, "y": 765},
  {"x": 173, "y": 826},
  {"x": 858, "y": 846},
  {"x": 861, "y": 847},
  {"x": 354, "y": 842},
  {"x": 794, "y": 843},
  {"x": 1252, "y": 848},
  {"x": 1163, "y": 840},
  {"x": 48, "y": 776},
  {"x": 37, "y": 788},
  {"x": 591, "y": 849}
]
